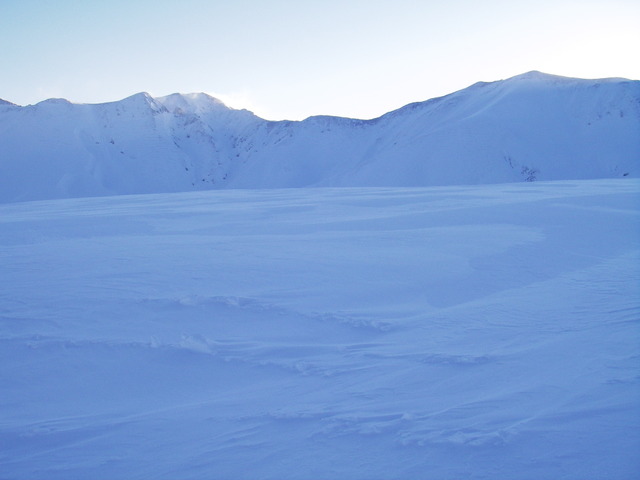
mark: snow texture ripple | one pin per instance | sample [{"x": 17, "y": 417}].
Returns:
[{"x": 475, "y": 332}]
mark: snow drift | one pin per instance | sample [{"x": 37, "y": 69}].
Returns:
[
  {"x": 476, "y": 332},
  {"x": 530, "y": 127}
]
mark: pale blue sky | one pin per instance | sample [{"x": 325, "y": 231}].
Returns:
[{"x": 295, "y": 58}]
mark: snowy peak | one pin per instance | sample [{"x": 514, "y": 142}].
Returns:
[
  {"x": 54, "y": 101},
  {"x": 207, "y": 109},
  {"x": 180, "y": 103},
  {"x": 537, "y": 76},
  {"x": 142, "y": 101},
  {"x": 546, "y": 80}
]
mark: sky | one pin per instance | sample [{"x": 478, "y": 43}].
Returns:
[{"x": 289, "y": 59}]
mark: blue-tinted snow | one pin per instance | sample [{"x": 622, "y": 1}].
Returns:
[{"x": 360, "y": 333}]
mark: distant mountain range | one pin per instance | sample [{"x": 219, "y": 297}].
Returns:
[{"x": 530, "y": 127}]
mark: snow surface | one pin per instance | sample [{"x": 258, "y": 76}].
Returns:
[
  {"x": 477, "y": 332},
  {"x": 530, "y": 127}
]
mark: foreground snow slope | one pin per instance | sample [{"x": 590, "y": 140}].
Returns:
[
  {"x": 530, "y": 127},
  {"x": 376, "y": 333}
]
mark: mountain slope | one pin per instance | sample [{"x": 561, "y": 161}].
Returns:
[{"x": 530, "y": 127}]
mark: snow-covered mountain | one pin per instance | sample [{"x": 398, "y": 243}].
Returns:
[{"x": 530, "y": 127}]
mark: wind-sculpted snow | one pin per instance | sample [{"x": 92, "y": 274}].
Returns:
[
  {"x": 356, "y": 333},
  {"x": 527, "y": 128}
]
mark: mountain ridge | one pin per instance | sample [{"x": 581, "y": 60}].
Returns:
[
  {"x": 533, "y": 126},
  {"x": 534, "y": 75}
]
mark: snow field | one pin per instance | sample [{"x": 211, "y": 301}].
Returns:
[{"x": 357, "y": 333}]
